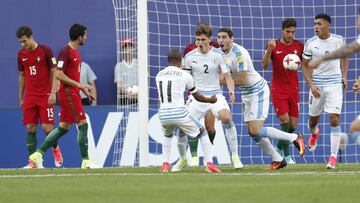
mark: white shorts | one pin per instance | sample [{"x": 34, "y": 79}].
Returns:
[
  {"x": 330, "y": 101},
  {"x": 199, "y": 109},
  {"x": 256, "y": 106},
  {"x": 190, "y": 125}
]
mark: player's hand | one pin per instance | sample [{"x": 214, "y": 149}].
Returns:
[
  {"x": 345, "y": 84},
  {"x": 86, "y": 89},
  {"x": 52, "y": 99},
  {"x": 21, "y": 103},
  {"x": 232, "y": 97},
  {"x": 356, "y": 85},
  {"x": 315, "y": 91},
  {"x": 314, "y": 63},
  {"x": 213, "y": 99},
  {"x": 271, "y": 45}
]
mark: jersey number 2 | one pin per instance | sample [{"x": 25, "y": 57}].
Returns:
[{"x": 206, "y": 69}]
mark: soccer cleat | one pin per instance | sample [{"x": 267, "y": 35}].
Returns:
[
  {"x": 165, "y": 167},
  {"x": 275, "y": 165},
  {"x": 195, "y": 161},
  {"x": 58, "y": 158},
  {"x": 236, "y": 162},
  {"x": 331, "y": 163},
  {"x": 312, "y": 143},
  {"x": 289, "y": 159},
  {"x": 299, "y": 144},
  {"x": 37, "y": 159},
  {"x": 180, "y": 164},
  {"x": 88, "y": 164},
  {"x": 30, "y": 165},
  {"x": 211, "y": 168}
]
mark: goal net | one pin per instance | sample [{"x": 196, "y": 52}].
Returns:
[{"x": 171, "y": 24}]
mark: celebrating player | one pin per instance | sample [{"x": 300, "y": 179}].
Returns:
[
  {"x": 204, "y": 63},
  {"x": 255, "y": 98},
  {"x": 71, "y": 108},
  {"x": 284, "y": 83},
  {"x": 171, "y": 84},
  {"x": 327, "y": 83},
  {"x": 344, "y": 51},
  {"x": 37, "y": 90}
]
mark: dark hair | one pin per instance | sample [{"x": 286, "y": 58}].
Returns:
[
  {"x": 323, "y": 16},
  {"x": 76, "y": 31},
  {"x": 23, "y": 30},
  {"x": 288, "y": 22},
  {"x": 227, "y": 30},
  {"x": 174, "y": 56},
  {"x": 203, "y": 28}
]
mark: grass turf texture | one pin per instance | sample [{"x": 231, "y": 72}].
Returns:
[{"x": 296, "y": 183}]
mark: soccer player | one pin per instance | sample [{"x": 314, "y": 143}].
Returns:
[
  {"x": 344, "y": 51},
  {"x": 204, "y": 64},
  {"x": 71, "y": 108},
  {"x": 209, "y": 117},
  {"x": 284, "y": 83},
  {"x": 327, "y": 83},
  {"x": 255, "y": 98},
  {"x": 171, "y": 84},
  {"x": 37, "y": 90}
]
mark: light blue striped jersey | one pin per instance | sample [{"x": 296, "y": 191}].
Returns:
[
  {"x": 239, "y": 60},
  {"x": 171, "y": 84},
  {"x": 328, "y": 72},
  {"x": 205, "y": 69}
]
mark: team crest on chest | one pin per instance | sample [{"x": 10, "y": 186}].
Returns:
[{"x": 38, "y": 58}]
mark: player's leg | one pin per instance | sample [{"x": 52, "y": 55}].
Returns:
[
  {"x": 221, "y": 110},
  {"x": 210, "y": 126},
  {"x": 281, "y": 106},
  {"x": 333, "y": 105},
  {"x": 47, "y": 113},
  {"x": 194, "y": 128},
  {"x": 316, "y": 106},
  {"x": 168, "y": 130}
]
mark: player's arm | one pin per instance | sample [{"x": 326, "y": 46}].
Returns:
[
  {"x": 54, "y": 86},
  {"x": 21, "y": 88},
  {"x": 344, "y": 69},
  {"x": 267, "y": 56},
  {"x": 93, "y": 92},
  {"x": 230, "y": 85},
  {"x": 342, "y": 52},
  {"x": 86, "y": 88}
]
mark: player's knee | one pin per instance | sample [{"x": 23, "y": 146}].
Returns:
[
  {"x": 334, "y": 120},
  {"x": 253, "y": 132},
  {"x": 31, "y": 128},
  {"x": 355, "y": 126}
]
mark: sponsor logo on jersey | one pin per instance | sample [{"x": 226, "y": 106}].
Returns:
[
  {"x": 24, "y": 59},
  {"x": 278, "y": 52},
  {"x": 38, "y": 59}
]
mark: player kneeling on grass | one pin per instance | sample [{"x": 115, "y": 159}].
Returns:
[
  {"x": 255, "y": 97},
  {"x": 171, "y": 84}
]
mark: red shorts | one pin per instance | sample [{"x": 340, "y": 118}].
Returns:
[
  {"x": 37, "y": 107},
  {"x": 71, "y": 108},
  {"x": 286, "y": 103}
]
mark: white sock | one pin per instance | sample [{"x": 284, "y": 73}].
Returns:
[
  {"x": 181, "y": 144},
  {"x": 231, "y": 136},
  {"x": 335, "y": 136},
  {"x": 280, "y": 135},
  {"x": 166, "y": 146},
  {"x": 268, "y": 149},
  {"x": 206, "y": 147}
]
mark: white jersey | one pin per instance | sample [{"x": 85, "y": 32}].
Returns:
[
  {"x": 205, "y": 68},
  {"x": 171, "y": 84},
  {"x": 239, "y": 60},
  {"x": 328, "y": 72}
]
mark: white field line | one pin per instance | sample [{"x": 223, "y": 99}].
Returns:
[{"x": 334, "y": 173}]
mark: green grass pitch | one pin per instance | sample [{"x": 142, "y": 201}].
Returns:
[{"x": 296, "y": 183}]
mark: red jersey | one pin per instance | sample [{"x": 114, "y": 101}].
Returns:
[
  {"x": 69, "y": 62},
  {"x": 36, "y": 65},
  {"x": 283, "y": 80},
  {"x": 192, "y": 46}
]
